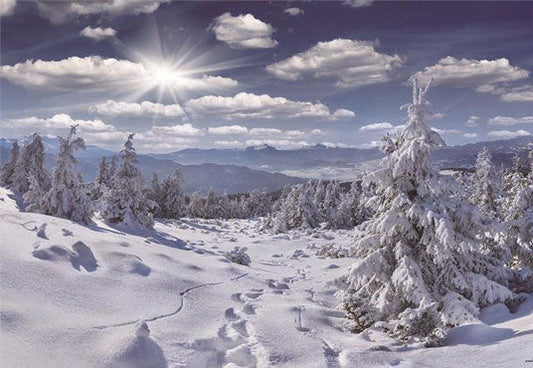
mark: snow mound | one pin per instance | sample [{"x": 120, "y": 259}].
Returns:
[{"x": 133, "y": 349}]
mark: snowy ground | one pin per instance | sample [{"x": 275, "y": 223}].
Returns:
[{"x": 76, "y": 296}]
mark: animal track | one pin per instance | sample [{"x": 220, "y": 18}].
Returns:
[{"x": 299, "y": 326}]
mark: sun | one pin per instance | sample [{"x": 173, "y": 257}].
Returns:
[{"x": 164, "y": 74}]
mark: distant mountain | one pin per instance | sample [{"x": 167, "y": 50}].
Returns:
[
  {"x": 271, "y": 159},
  {"x": 337, "y": 161},
  {"x": 265, "y": 167},
  {"x": 230, "y": 178}
]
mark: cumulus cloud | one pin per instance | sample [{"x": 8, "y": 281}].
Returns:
[
  {"x": 472, "y": 121},
  {"x": 98, "y": 33},
  {"x": 243, "y": 31},
  {"x": 507, "y": 134},
  {"x": 470, "y": 135},
  {"x": 57, "y": 123},
  {"x": 510, "y": 94},
  {"x": 265, "y": 131},
  {"x": 294, "y": 133},
  {"x": 177, "y": 130},
  {"x": 482, "y": 74},
  {"x": 341, "y": 114},
  {"x": 376, "y": 127},
  {"x": 97, "y": 73},
  {"x": 145, "y": 108},
  {"x": 353, "y": 63},
  {"x": 229, "y": 144},
  {"x": 294, "y": 11},
  {"x": 357, "y": 3},
  {"x": 7, "y": 7},
  {"x": 447, "y": 131},
  {"x": 507, "y": 120},
  {"x": 249, "y": 105},
  {"x": 61, "y": 11},
  {"x": 228, "y": 130}
]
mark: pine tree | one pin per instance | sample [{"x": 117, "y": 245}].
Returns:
[
  {"x": 103, "y": 177},
  {"x": 173, "y": 203},
  {"x": 66, "y": 197},
  {"x": 331, "y": 203},
  {"x": 113, "y": 168},
  {"x": 8, "y": 170},
  {"x": 194, "y": 207},
  {"x": 423, "y": 265},
  {"x": 126, "y": 202},
  {"x": 208, "y": 211},
  {"x": 155, "y": 194},
  {"x": 35, "y": 198},
  {"x": 31, "y": 163},
  {"x": 485, "y": 186}
]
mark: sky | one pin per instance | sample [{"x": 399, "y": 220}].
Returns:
[{"x": 285, "y": 73}]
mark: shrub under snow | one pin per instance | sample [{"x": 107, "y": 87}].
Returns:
[{"x": 238, "y": 255}]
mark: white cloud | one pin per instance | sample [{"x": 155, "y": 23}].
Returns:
[
  {"x": 278, "y": 143},
  {"x": 447, "y": 131},
  {"x": 177, "y": 130},
  {"x": 376, "y": 127},
  {"x": 506, "y": 134},
  {"x": 98, "y": 33},
  {"x": 294, "y": 11},
  {"x": 472, "y": 121},
  {"x": 265, "y": 131},
  {"x": 438, "y": 115},
  {"x": 470, "y": 135},
  {"x": 249, "y": 105},
  {"x": 7, "y": 7},
  {"x": 229, "y": 144},
  {"x": 294, "y": 133},
  {"x": 316, "y": 132},
  {"x": 57, "y": 124},
  {"x": 341, "y": 114},
  {"x": 243, "y": 32},
  {"x": 353, "y": 63},
  {"x": 228, "y": 129},
  {"x": 145, "y": 108},
  {"x": 357, "y": 3},
  {"x": 97, "y": 73},
  {"x": 482, "y": 74},
  {"x": 507, "y": 94},
  {"x": 62, "y": 11},
  {"x": 507, "y": 120}
]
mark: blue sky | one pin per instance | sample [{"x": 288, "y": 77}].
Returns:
[{"x": 289, "y": 74}]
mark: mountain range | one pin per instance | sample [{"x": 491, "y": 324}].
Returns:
[{"x": 265, "y": 167}]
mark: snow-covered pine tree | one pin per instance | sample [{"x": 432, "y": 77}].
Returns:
[
  {"x": 31, "y": 163},
  {"x": 155, "y": 194},
  {"x": 308, "y": 213},
  {"x": 422, "y": 264},
  {"x": 194, "y": 207},
  {"x": 8, "y": 170},
  {"x": 209, "y": 205},
  {"x": 35, "y": 198},
  {"x": 113, "y": 167},
  {"x": 485, "y": 185},
  {"x": 126, "y": 202},
  {"x": 103, "y": 177},
  {"x": 330, "y": 204},
  {"x": 66, "y": 197},
  {"x": 173, "y": 203}
]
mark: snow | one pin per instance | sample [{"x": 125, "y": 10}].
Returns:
[{"x": 97, "y": 296}]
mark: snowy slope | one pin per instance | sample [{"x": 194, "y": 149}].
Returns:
[{"x": 76, "y": 296}]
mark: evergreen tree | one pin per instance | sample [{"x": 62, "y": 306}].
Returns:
[
  {"x": 66, "y": 197},
  {"x": 103, "y": 177},
  {"x": 155, "y": 194},
  {"x": 485, "y": 186},
  {"x": 8, "y": 170},
  {"x": 126, "y": 201},
  {"x": 209, "y": 205},
  {"x": 31, "y": 163},
  {"x": 423, "y": 265},
  {"x": 194, "y": 207},
  {"x": 173, "y": 203}
]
